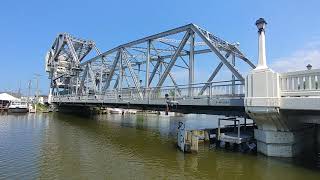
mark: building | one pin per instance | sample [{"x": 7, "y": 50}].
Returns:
[{"x": 5, "y": 100}]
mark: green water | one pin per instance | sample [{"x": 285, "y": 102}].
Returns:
[{"x": 58, "y": 146}]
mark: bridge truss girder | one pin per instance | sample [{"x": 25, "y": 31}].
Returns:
[
  {"x": 63, "y": 62},
  {"x": 125, "y": 61}
]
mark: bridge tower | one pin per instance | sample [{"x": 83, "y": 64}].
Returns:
[{"x": 278, "y": 134}]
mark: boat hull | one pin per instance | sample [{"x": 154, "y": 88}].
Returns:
[{"x": 17, "y": 110}]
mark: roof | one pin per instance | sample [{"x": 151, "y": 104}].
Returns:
[{"x": 8, "y": 97}]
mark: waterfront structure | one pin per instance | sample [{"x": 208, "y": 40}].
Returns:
[
  {"x": 18, "y": 107},
  {"x": 7, "y": 97},
  {"x": 5, "y": 100},
  {"x": 278, "y": 103}
]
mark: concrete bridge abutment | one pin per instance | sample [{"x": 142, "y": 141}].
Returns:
[
  {"x": 283, "y": 143},
  {"x": 280, "y": 135}
]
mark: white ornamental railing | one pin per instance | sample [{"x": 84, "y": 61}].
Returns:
[{"x": 300, "y": 83}]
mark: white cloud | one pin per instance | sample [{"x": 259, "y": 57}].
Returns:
[{"x": 298, "y": 60}]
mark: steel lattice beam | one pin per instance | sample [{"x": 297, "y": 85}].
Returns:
[{"x": 70, "y": 71}]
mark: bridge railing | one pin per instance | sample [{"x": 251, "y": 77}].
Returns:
[
  {"x": 300, "y": 83},
  {"x": 193, "y": 91},
  {"x": 214, "y": 89}
]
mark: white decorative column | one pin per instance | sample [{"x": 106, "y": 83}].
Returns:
[
  {"x": 262, "y": 100},
  {"x": 262, "y": 63},
  {"x": 262, "y": 84}
]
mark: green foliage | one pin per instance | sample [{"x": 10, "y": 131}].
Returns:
[{"x": 41, "y": 107}]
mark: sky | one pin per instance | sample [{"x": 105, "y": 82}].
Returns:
[{"x": 28, "y": 29}]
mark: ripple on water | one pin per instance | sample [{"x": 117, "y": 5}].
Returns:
[{"x": 57, "y": 146}]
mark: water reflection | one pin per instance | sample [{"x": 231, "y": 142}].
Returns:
[{"x": 59, "y": 146}]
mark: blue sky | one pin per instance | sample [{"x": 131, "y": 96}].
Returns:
[{"x": 28, "y": 28}]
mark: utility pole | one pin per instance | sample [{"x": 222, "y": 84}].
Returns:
[
  {"x": 29, "y": 89},
  {"x": 37, "y": 90}
]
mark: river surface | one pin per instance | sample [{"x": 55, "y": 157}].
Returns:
[{"x": 63, "y": 146}]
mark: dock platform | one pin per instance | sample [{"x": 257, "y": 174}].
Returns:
[{"x": 236, "y": 135}]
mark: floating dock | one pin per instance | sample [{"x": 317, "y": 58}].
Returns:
[{"x": 239, "y": 136}]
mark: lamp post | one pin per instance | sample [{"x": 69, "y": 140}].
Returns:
[
  {"x": 309, "y": 66},
  {"x": 262, "y": 62}
]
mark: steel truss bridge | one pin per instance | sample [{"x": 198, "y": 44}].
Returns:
[
  {"x": 188, "y": 69},
  {"x": 155, "y": 72}
]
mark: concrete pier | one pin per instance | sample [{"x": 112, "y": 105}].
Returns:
[
  {"x": 188, "y": 139},
  {"x": 283, "y": 143}
]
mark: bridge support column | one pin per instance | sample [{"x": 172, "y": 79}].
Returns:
[{"x": 283, "y": 143}]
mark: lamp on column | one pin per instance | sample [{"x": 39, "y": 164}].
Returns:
[
  {"x": 262, "y": 62},
  {"x": 261, "y": 24}
]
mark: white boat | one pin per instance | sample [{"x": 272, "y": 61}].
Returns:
[
  {"x": 116, "y": 111},
  {"x": 121, "y": 111},
  {"x": 18, "y": 107}
]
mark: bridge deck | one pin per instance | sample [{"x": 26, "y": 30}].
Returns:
[{"x": 214, "y": 105}]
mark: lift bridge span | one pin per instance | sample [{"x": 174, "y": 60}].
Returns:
[
  {"x": 187, "y": 69},
  {"x": 161, "y": 70}
]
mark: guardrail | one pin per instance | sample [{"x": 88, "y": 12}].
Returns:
[
  {"x": 214, "y": 89},
  {"x": 300, "y": 83},
  {"x": 223, "y": 88}
]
